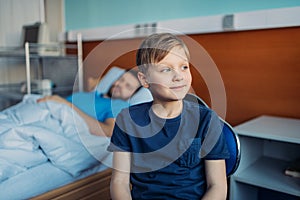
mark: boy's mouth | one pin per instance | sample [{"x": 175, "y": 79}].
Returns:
[{"x": 177, "y": 87}]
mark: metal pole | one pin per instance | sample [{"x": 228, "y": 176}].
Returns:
[
  {"x": 80, "y": 64},
  {"x": 27, "y": 59}
]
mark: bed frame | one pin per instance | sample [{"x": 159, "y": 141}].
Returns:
[{"x": 95, "y": 186}]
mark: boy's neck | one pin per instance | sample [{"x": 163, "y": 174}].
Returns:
[{"x": 168, "y": 109}]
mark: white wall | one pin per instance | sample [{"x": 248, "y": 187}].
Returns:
[
  {"x": 13, "y": 15},
  {"x": 54, "y": 16}
]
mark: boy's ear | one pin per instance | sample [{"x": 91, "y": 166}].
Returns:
[{"x": 143, "y": 80}]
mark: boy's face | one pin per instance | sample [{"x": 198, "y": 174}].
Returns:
[
  {"x": 124, "y": 87},
  {"x": 170, "y": 79}
]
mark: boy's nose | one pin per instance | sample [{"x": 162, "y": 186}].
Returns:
[{"x": 177, "y": 76}]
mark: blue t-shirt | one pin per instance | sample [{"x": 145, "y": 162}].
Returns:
[
  {"x": 96, "y": 105},
  {"x": 168, "y": 155}
]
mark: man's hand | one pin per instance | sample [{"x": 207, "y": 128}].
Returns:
[{"x": 55, "y": 98}]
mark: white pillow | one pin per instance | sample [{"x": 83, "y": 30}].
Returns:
[
  {"x": 141, "y": 96},
  {"x": 108, "y": 79}
]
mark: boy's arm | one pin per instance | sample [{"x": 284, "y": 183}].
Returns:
[
  {"x": 120, "y": 183},
  {"x": 215, "y": 171}
]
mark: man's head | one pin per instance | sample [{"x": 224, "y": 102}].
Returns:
[{"x": 125, "y": 86}]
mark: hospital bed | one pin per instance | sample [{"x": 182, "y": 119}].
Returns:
[{"x": 47, "y": 152}]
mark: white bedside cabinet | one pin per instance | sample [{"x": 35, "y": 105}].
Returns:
[{"x": 268, "y": 145}]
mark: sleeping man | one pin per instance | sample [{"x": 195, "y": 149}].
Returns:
[{"x": 99, "y": 110}]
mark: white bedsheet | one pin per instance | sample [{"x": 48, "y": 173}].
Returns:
[{"x": 33, "y": 134}]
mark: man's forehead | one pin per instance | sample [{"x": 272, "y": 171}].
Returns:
[
  {"x": 131, "y": 79},
  {"x": 128, "y": 75}
]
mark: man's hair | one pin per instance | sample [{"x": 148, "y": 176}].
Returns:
[
  {"x": 133, "y": 71},
  {"x": 156, "y": 47}
]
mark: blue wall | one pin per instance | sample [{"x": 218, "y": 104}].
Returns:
[{"x": 85, "y": 14}]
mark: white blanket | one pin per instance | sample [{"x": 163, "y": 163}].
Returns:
[{"x": 34, "y": 133}]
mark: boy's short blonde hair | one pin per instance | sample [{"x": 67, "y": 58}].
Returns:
[{"x": 156, "y": 47}]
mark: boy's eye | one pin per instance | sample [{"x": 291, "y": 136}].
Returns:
[
  {"x": 166, "y": 69},
  {"x": 185, "y": 67}
]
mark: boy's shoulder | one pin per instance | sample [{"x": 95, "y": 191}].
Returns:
[
  {"x": 192, "y": 105},
  {"x": 135, "y": 113},
  {"x": 145, "y": 105},
  {"x": 189, "y": 105},
  {"x": 137, "y": 108}
]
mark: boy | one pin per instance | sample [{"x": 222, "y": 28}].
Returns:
[{"x": 169, "y": 148}]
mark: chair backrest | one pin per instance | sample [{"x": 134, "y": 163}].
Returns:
[{"x": 232, "y": 139}]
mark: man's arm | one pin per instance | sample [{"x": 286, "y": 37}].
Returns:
[
  {"x": 216, "y": 180},
  {"x": 96, "y": 127}
]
